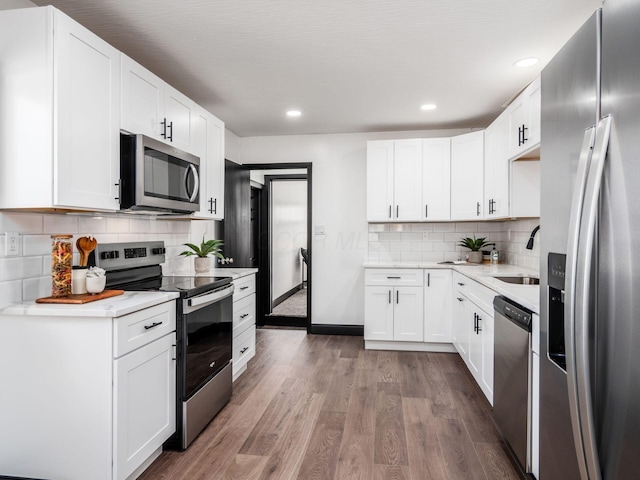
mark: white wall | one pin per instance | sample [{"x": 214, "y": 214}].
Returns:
[
  {"x": 288, "y": 234},
  {"x": 339, "y": 204}
]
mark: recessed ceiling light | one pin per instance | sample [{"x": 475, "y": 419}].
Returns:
[
  {"x": 294, "y": 113},
  {"x": 526, "y": 62},
  {"x": 428, "y": 106}
]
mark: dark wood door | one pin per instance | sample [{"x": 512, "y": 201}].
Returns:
[{"x": 237, "y": 215}]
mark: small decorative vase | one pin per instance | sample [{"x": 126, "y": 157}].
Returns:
[
  {"x": 474, "y": 257},
  {"x": 202, "y": 264}
]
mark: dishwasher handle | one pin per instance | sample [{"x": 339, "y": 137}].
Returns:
[{"x": 517, "y": 314}]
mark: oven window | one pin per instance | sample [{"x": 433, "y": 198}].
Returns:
[
  {"x": 167, "y": 177},
  {"x": 208, "y": 343}
]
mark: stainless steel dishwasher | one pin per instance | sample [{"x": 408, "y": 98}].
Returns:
[{"x": 512, "y": 376}]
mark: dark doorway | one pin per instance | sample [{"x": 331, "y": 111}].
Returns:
[{"x": 262, "y": 238}]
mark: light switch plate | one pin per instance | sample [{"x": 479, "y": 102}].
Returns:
[
  {"x": 11, "y": 244},
  {"x": 319, "y": 230}
]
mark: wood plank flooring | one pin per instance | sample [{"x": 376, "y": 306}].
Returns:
[{"x": 321, "y": 407}]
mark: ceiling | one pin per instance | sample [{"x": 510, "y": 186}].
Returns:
[{"x": 347, "y": 65}]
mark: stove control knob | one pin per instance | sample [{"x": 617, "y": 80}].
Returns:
[
  {"x": 109, "y": 255},
  {"x": 158, "y": 251}
]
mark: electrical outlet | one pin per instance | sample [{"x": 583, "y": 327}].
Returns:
[
  {"x": 319, "y": 230},
  {"x": 11, "y": 244},
  {"x": 425, "y": 236}
]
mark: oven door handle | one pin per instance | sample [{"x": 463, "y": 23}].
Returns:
[{"x": 214, "y": 296}]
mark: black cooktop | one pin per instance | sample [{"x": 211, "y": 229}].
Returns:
[{"x": 187, "y": 287}]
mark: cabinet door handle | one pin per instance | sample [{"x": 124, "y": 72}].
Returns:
[
  {"x": 478, "y": 329},
  {"x": 171, "y": 128},
  {"x": 475, "y": 322},
  {"x": 461, "y": 284},
  {"x": 393, "y": 278},
  {"x": 244, "y": 288},
  {"x": 211, "y": 205},
  {"x": 244, "y": 350},
  {"x": 397, "y": 297},
  {"x": 397, "y": 211},
  {"x": 119, "y": 185},
  {"x": 154, "y": 324},
  {"x": 477, "y": 209},
  {"x": 428, "y": 279},
  {"x": 164, "y": 128},
  {"x": 389, "y": 297},
  {"x": 244, "y": 315},
  {"x": 460, "y": 299},
  {"x": 524, "y": 132},
  {"x": 389, "y": 211},
  {"x": 426, "y": 211},
  {"x": 215, "y": 206}
]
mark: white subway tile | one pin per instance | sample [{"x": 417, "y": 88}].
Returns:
[
  {"x": 128, "y": 237},
  {"x": 374, "y": 237},
  {"x": 411, "y": 256},
  {"x": 10, "y": 292},
  {"x": 90, "y": 226},
  {"x": 422, "y": 246},
  {"x": 452, "y": 237},
  {"x": 422, "y": 227},
  {"x": 107, "y": 238},
  {"x": 444, "y": 227},
  {"x": 33, "y": 288},
  {"x": 15, "y": 268},
  {"x": 21, "y": 222},
  {"x": 139, "y": 225},
  {"x": 399, "y": 227},
  {"x": 373, "y": 256},
  {"x": 390, "y": 256},
  {"x": 400, "y": 247},
  {"x": 60, "y": 224},
  {"x": 378, "y": 246},
  {"x": 378, "y": 227},
  {"x": 432, "y": 256},
  {"x": 436, "y": 237},
  {"x": 36, "y": 245},
  {"x": 411, "y": 237},
  {"x": 453, "y": 256},
  {"x": 466, "y": 227},
  {"x": 118, "y": 225},
  {"x": 158, "y": 226},
  {"x": 390, "y": 237}
]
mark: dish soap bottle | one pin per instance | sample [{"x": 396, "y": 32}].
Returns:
[{"x": 495, "y": 255}]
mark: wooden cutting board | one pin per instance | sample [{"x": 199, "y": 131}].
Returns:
[{"x": 81, "y": 297}]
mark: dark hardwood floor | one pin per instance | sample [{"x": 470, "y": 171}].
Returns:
[{"x": 321, "y": 407}]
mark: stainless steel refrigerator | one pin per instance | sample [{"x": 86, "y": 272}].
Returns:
[{"x": 590, "y": 251}]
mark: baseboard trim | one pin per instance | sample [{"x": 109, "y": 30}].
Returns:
[
  {"x": 409, "y": 346},
  {"x": 327, "y": 329},
  {"x": 286, "y": 295},
  {"x": 283, "y": 321}
]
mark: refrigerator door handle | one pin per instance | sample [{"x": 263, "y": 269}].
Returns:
[
  {"x": 581, "y": 297},
  {"x": 570, "y": 290}
]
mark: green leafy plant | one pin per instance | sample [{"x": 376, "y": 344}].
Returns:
[
  {"x": 210, "y": 247},
  {"x": 474, "y": 244}
]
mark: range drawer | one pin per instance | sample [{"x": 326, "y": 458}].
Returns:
[
  {"x": 244, "y": 348},
  {"x": 461, "y": 284},
  {"x": 406, "y": 277},
  {"x": 244, "y": 314},
  {"x": 139, "y": 328},
  {"x": 243, "y": 287}
]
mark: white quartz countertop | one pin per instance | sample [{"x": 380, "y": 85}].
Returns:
[
  {"x": 124, "y": 304},
  {"x": 526, "y": 295}
]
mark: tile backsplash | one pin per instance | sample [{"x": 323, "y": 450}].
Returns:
[
  {"x": 28, "y": 276},
  {"x": 436, "y": 242}
]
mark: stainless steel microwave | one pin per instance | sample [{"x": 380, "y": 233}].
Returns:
[{"x": 157, "y": 177}]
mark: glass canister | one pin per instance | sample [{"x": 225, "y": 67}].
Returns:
[{"x": 61, "y": 260}]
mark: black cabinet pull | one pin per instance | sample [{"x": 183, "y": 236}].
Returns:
[
  {"x": 170, "y": 126},
  {"x": 461, "y": 284},
  {"x": 426, "y": 211},
  {"x": 154, "y": 324},
  {"x": 477, "y": 209},
  {"x": 244, "y": 350},
  {"x": 524, "y": 138},
  {"x": 389, "y": 297},
  {"x": 389, "y": 211},
  {"x": 478, "y": 329},
  {"x": 428, "y": 279},
  {"x": 475, "y": 322},
  {"x": 211, "y": 205},
  {"x": 397, "y": 211},
  {"x": 393, "y": 278},
  {"x": 215, "y": 206},
  {"x": 397, "y": 297},
  {"x": 460, "y": 299},
  {"x": 244, "y": 315},
  {"x": 243, "y": 288}
]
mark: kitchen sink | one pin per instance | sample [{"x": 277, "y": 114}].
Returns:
[{"x": 520, "y": 280}]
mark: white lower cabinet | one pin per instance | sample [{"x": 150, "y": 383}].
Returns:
[
  {"x": 393, "y": 313},
  {"x": 244, "y": 323},
  {"x": 100, "y": 401},
  {"x": 474, "y": 330},
  {"x": 437, "y": 306}
]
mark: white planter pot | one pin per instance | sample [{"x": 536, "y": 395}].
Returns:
[
  {"x": 474, "y": 257},
  {"x": 202, "y": 264}
]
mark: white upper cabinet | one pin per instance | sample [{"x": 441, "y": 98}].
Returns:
[
  {"x": 436, "y": 179},
  {"x": 467, "y": 166},
  {"x": 152, "y": 107},
  {"x": 59, "y": 112},
  {"x": 209, "y": 145},
  {"x": 379, "y": 180},
  {"x": 407, "y": 180},
  {"x": 394, "y": 180},
  {"x": 496, "y": 169},
  {"x": 524, "y": 121}
]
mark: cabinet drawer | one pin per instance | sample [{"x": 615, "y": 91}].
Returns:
[
  {"x": 244, "y": 348},
  {"x": 481, "y": 296},
  {"x": 394, "y": 277},
  {"x": 461, "y": 284},
  {"x": 139, "y": 328},
  {"x": 244, "y": 314},
  {"x": 243, "y": 287}
]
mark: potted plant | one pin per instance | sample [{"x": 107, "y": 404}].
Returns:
[
  {"x": 474, "y": 244},
  {"x": 202, "y": 262}
]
